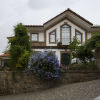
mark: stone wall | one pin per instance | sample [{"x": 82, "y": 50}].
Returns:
[{"x": 13, "y": 82}]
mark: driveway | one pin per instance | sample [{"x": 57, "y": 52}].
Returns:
[{"x": 78, "y": 91}]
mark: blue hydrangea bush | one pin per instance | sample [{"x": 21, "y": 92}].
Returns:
[{"x": 45, "y": 65}]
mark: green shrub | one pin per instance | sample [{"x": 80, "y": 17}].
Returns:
[
  {"x": 84, "y": 55},
  {"x": 92, "y": 65},
  {"x": 80, "y": 66},
  {"x": 23, "y": 60},
  {"x": 18, "y": 44},
  {"x": 45, "y": 65}
]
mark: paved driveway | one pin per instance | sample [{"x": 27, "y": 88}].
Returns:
[{"x": 78, "y": 91}]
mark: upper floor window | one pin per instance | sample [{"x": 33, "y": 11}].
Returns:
[
  {"x": 65, "y": 34},
  {"x": 52, "y": 37},
  {"x": 78, "y": 35},
  {"x": 34, "y": 37}
]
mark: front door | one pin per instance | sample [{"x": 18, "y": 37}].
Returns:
[{"x": 65, "y": 59}]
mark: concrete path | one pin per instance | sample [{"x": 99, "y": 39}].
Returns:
[
  {"x": 78, "y": 91},
  {"x": 97, "y": 98}
]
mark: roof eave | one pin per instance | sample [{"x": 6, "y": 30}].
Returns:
[{"x": 71, "y": 12}]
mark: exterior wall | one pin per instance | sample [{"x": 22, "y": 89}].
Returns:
[
  {"x": 41, "y": 37},
  {"x": 70, "y": 15},
  {"x": 40, "y": 41},
  {"x": 88, "y": 35},
  {"x": 57, "y": 27}
]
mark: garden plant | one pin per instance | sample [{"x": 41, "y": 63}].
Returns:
[{"x": 45, "y": 65}]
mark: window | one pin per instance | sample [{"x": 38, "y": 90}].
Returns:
[
  {"x": 34, "y": 37},
  {"x": 52, "y": 37},
  {"x": 78, "y": 35},
  {"x": 65, "y": 32}
]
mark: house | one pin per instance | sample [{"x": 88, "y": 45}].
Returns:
[
  {"x": 4, "y": 60},
  {"x": 57, "y": 33}
]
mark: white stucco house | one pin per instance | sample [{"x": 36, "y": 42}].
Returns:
[{"x": 57, "y": 33}]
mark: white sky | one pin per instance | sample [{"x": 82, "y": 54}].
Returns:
[{"x": 37, "y": 12}]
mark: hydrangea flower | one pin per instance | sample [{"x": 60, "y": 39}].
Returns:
[{"x": 44, "y": 64}]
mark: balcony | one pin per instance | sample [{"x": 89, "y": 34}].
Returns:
[{"x": 62, "y": 43}]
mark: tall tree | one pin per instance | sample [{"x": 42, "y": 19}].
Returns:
[
  {"x": 18, "y": 44},
  {"x": 94, "y": 44},
  {"x": 74, "y": 46},
  {"x": 80, "y": 51}
]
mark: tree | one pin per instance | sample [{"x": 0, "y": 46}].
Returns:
[
  {"x": 94, "y": 44},
  {"x": 18, "y": 44},
  {"x": 94, "y": 41},
  {"x": 74, "y": 45},
  {"x": 80, "y": 51},
  {"x": 85, "y": 55}
]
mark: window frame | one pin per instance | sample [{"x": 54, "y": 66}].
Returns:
[
  {"x": 61, "y": 30},
  {"x": 37, "y": 37},
  {"x": 55, "y": 37},
  {"x": 80, "y": 33}
]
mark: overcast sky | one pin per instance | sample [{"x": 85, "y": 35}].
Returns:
[{"x": 37, "y": 12}]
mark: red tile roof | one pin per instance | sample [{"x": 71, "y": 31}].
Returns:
[{"x": 4, "y": 55}]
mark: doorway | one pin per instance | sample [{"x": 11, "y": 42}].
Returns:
[{"x": 65, "y": 59}]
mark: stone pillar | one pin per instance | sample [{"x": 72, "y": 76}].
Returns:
[{"x": 98, "y": 57}]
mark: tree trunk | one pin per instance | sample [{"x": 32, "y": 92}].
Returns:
[{"x": 98, "y": 57}]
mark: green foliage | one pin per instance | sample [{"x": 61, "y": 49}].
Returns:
[
  {"x": 80, "y": 51},
  {"x": 74, "y": 45},
  {"x": 45, "y": 65},
  {"x": 92, "y": 65},
  {"x": 18, "y": 44},
  {"x": 21, "y": 37},
  {"x": 82, "y": 66},
  {"x": 84, "y": 54},
  {"x": 23, "y": 60},
  {"x": 94, "y": 41}
]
